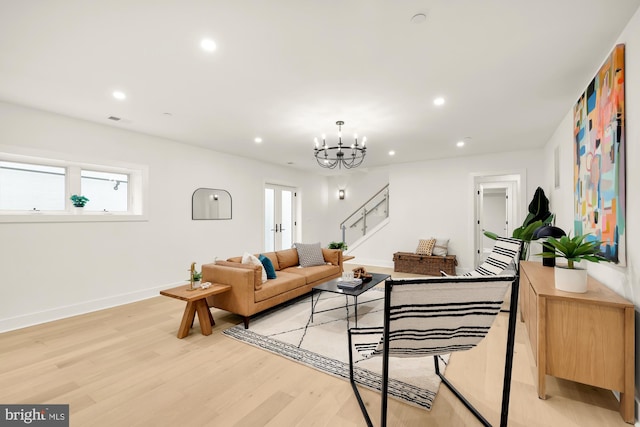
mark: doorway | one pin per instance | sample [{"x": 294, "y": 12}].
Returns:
[
  {"x": 279, "y": 217},
  {"x": 496, "y": 208}
]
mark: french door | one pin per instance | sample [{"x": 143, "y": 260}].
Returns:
[{"x": 279, "y": 217}]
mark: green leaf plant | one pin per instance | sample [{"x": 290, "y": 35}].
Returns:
[
  {"x": 338, "y": 245},
  {"x": 196, "y": 276},
  {"x": 78, "y": 201},
  {"x": 574, "y": 249}
]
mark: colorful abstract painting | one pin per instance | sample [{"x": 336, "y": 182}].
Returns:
[{"x": 599, "y": 159}]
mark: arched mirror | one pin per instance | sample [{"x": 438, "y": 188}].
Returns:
[{"x": 210, "y": 203}]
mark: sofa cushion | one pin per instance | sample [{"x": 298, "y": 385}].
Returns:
[
  {"x": 237, "y": 259},
  {"x": 274, "y": 259},
  {"x": 331, "y": 255},
  {"x": 268, "y": 266},
  {"x": 287, "y": 258},
  {"x": 283, "y": 283},
  {"x": 315, "y": 273},
  {"x": 310, "y": 254},
  {"x": 247, "y": 258}
]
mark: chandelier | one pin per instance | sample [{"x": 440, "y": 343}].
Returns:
[{"x": 340, "y": 155}]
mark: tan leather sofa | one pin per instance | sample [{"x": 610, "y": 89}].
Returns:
[{"x": 248, "y": 295}]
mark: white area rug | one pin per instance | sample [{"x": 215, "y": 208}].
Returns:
[{"x": 322, "y": 344}]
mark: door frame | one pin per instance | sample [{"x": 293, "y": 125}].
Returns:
[
  {"x": 294, "y": 209},
  {"x": 514, "y": 184}
]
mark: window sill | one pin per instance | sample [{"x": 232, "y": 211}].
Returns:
[{"x": 71, "y": 217}]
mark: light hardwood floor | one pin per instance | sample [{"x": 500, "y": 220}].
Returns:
[{"x": 124, "y": 366}]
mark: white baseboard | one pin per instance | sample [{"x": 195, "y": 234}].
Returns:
[{"x": 36, "y": 318}]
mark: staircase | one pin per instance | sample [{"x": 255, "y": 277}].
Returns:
[{"x": 364, "y": 221}]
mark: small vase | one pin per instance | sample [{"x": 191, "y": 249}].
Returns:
[{"x": 571, "y": 279}]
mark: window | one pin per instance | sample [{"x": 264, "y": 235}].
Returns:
[
  {"x": 106, "y": 191},
  {"x": 31, "y": 187},
  {"x": 39, "y": 190}
]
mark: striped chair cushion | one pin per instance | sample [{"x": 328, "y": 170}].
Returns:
[
  {"x": 436, "y": 315},
  {"x": 505, "y": 251}
]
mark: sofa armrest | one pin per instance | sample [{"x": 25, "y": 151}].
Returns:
[
  {"x": 233, "y": 272},
  {"x": 240, "y": 298},
  {"x": 333, "y": 256}
]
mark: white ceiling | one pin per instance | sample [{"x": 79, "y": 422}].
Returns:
[{"x": 287, "y": 70}]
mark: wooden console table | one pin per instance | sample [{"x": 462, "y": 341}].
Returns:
[
  {"x": 196, "y": 302},
  {"x": 588, "y": 338}
]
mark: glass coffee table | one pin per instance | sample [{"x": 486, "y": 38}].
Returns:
[{"x": 332, "y": 286}]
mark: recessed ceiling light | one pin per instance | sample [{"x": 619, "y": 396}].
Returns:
[
  {"x": 119, "y": 95},
  {"x": 258, "y": 140},
  {"x": 392, "y": 153},
  {"x": 418, "y": 18},
  {"x": 208, "y": 45},
  {"x": 460, "y": 144},
  {"x": 438, "y": 101}
]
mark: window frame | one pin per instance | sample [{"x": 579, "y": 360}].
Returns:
[{"x": 137, "y": 204}]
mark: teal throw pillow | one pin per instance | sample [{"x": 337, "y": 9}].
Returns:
[{"x": 268, "y": 266}]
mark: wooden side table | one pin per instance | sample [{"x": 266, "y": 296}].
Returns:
[
  {"x": 587, "y": 337},
  {"x": 196, "y": 302}
]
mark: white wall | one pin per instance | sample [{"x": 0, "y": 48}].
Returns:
[
  {"x": 359, "y": 185},
  {"x": 52, "y": 270},
  {"x": 623, "y": 280},
  {"x": 435, "y": 199}
]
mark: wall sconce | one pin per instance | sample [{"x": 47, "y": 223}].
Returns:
[{"x": 341, "y": 194}]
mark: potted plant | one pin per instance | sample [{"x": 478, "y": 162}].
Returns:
[
  {"x": 538, "y": 216},
  {"x": 196, "y": 278},
  {"x": 338, "y": 245},
  {"x": 78, "y": 201},
  {"x": 573, "y": 249}
]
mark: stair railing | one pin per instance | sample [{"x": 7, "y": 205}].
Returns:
[{"x": 367, "y": 216}]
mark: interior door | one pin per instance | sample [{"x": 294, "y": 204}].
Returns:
[
  {"x": 496, "y": 206},
  {"x": 279, "y": 217}
]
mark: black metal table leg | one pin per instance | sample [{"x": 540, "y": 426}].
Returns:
[
  {"x": 312, "y": 290},
  {"x": 355, "y": 303}
]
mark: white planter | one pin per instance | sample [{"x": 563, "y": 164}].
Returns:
[{"x": 571, "y": 279}]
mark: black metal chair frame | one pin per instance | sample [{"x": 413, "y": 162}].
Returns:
[{"x": 506, "y": 387}]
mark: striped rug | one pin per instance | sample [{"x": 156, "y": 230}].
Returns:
[{"x": 288, "y": 331}]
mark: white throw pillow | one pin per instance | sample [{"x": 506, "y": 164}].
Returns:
[
  {"x": 247, "y": 258},
  {"x": 441, "y": 247}
]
